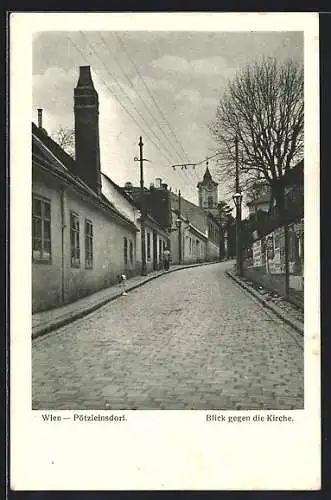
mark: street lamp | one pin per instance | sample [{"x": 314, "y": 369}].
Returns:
[{"x": 237, "y": 198}]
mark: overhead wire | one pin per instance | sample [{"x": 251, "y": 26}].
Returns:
[
  {"x": 122, "y": 105},
  {"x": 118, "y": 38},
  {"x": 181, "y": 172},
  {"x": 119, "y": 101},
  {"x": 138, "y": 94},
  {"x": 184, "y": 175},
  {"x": 158, "y": 147},
  {"x": 112, "y": 75},
  {"x": 120, "y": 42}
]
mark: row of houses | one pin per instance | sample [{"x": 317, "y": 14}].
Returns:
[{"x": 86, "y": 229}]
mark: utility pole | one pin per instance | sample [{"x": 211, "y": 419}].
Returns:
[
  {"x": 142, "y": 209},
  {"x": 179, "y": 229}
]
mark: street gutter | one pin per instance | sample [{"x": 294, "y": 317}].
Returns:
[{"x": 296, "y": 325}]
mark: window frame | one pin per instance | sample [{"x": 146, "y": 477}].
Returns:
[
  {"x": 89, "y": 242},
  {"x": 76, "y": 233},
  {"x": 42, "y": 218}
]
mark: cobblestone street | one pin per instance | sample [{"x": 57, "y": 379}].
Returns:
[{"x": 192, "y": 339}]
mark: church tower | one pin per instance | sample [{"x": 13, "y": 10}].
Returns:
[
  {"x": 208, "y": 193},
  {"x": 86, "y": 110}
]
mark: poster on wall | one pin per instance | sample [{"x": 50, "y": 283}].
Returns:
[
  {"x": 275, "y": 263},
  {"x": 270, "y": 246},
  {"x": 278, "y": 235},
  {"x": 257, "y": 254}
]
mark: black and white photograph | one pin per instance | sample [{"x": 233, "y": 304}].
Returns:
[
  {"x": 171, "y": 177},
  {"x": 167, "y": 220}
]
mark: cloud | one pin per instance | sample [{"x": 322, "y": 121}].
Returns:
[
  {"x": 53, "y": 90},
  {"x": 199, "y": 67},
  {"x": 191, "y": 95},
  {"x": 212, "y": 66},
  {"x": 153, "y": 83},
  {"x": 195, "y": 98},
  {"x": 171, "y": 63}
]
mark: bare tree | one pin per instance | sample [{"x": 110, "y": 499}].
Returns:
[
  {"x": 263, "y": 109},
  {"x": 65, "y": 137}
]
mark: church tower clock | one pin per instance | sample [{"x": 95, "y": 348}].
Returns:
[{"x": 208, "y": 193}]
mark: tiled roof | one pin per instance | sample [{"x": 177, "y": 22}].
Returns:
[
  {"x": 55, "y": 148},
  {"x": 196, "y": 215},
  {"x": 120, "y": 190}
]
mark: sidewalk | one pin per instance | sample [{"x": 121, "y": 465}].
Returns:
[
  {"x": 46, "y": 321},
  {"x": 279, "y": 306}
]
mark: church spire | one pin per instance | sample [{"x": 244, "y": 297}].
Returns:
[
  {"x": 208, "y": 193},
  {"x": 207, "y": 175}
]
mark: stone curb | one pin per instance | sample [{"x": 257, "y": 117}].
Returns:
[
  {"x": 42, "y": 330},
  {"x": 296, "y": 325}
]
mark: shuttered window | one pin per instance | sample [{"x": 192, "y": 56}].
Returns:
[{"x": 88, "y": 244}]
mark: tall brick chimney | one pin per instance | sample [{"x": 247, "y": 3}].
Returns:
[
  {"x": 86, "y": 109},
  {"x": 40, "y": 118}
]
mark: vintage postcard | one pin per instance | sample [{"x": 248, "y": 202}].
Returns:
[{"x": 165, "y": 329}]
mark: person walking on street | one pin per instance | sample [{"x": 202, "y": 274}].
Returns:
[{"x": 166, "y": 258}]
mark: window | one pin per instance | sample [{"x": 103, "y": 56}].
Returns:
[
  {"x": 88, "y": 244},
  {"x": 148, "y": 246},
  {"x": 125, "y": 250},
  {"x": 131, "y": 252},
  {"x": 41, "y": 230},
  {"x": 210, "y": 202},
  {"x": 160, "y": 250},
  {"x": 74, "y": 239}
]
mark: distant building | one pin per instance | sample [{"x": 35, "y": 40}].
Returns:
[
  {"x": 200, "y": 232},
  {"x": 157, "y": 221},
  {"x": 261, "y": 199},
  {"x": 197, "y": 240}
]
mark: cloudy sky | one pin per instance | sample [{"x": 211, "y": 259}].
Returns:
[{"x": 164, "y": 86}]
